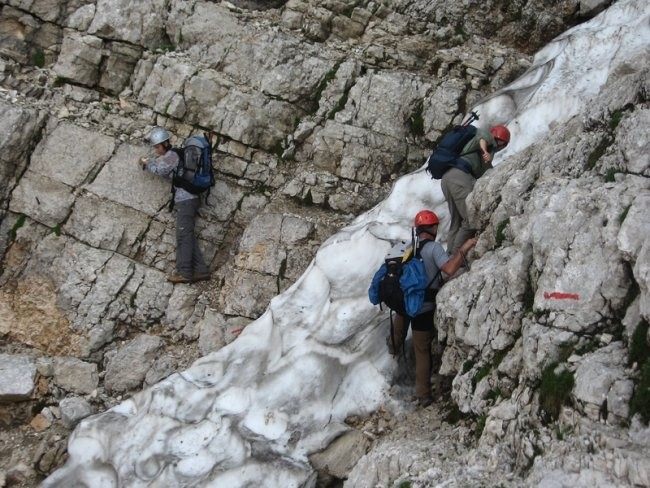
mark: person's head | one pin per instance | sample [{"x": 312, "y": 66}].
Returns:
[
  {"x": 159, "y": 139},
  {"x": 501, "y": 135},
  {"x": 426, "y": 222}
]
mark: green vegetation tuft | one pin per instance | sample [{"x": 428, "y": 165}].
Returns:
[
  {"x": 615, "y": 119},
  {"x": 329, "y": 76},
  {"x": 500, "y": 235},
  {"x": 19, "y": 223},
  {"x": 482, "y": 372},
  {"x": 467, "y": 365},
  {"x": 640, "y": 402},
  {"x": 494, "y": 394},
  {"x": 609, "y": 175},
  {"x": 340, "y": 105},
  {"x": 639, "y": 349},
  {"x": 38, "y": 58},
  {"x": 528, "y": 298},
  {"x": 56, "y": 230},
  {"x": 404, "y": 484},
  {"x": 60, "y": 81},
  {"x": 348, "y": 11},
  {"x": 598, "y": 152},
  {"x": 416, "y": 121},
  {"x": 480, "y": 426},
  {"x": 621, "y": 217},
  {"x": 554, "y": 390}
]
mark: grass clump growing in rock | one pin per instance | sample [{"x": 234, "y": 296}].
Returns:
[
  {"x": 19, "y": 223},
  {"x": 554, "y": 390},
  {"x": 639, "y": 349},
  {"x": 416, "y": 121},
  {"x": 480, "y": 426},
  {"x": 528, "y": 298},
  {"x": 329, "y": 76},
  {"x": 59, "y": 81},
  {"x": 500, "y": 235},
  {"x": 38, "y": 58},
  {"x": 598, "y": 152},
  {"x": 639, "y": 353},
  {"x": 640, "y": 402},
  {"x": 615, "y": 119},
  {"x": 621, "y": 217},
  {"x": 610, "y": 175}
]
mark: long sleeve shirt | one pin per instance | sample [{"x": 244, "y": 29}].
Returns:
[{"x": 164, "y": 166}]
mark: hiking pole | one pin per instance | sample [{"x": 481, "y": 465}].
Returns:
[{"x": 472, "y": 117}]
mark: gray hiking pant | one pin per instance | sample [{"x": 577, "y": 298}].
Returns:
[
  {"x": 456, "y": 185},
  {"x": 189, "y": 259}
]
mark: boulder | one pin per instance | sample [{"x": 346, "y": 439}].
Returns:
[{"x": 17, "y": 375}]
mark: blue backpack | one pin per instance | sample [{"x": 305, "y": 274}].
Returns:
[
  {"x": 448, "y": 153},
  {"x": 194, "y": 172},
  {"x": 400, "y": 283}
]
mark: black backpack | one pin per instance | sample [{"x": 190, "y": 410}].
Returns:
[
  {"x": 390, "y": 291},
  {"x": 401, "y": 282},
  {"x": 194, "y": 171},
  {"x": 448, "y": 154}
]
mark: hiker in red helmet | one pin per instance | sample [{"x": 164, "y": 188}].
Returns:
[
  {"x": 459, "y": 181},
  {"x": 439, "y": 267}
]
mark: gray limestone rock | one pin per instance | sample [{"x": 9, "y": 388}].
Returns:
[
  {"x": 75, "y": 375},
  {"x": 601, "y": 377},
  {"x": 119, "y": 66},
  {"x": 160, "y": 369},
  {"x": 17, "y": 375},
  {"x": 80, "y": 58},
  {"x": 127, "y": 367},
  {"x": 212, "y": 332},
  {"x": 136, "y": 23},
  {"x": 18, "y": 129},
  {"x": 74, "y": 409},
  {"x": 342, "y": 455},
  {"x": 60, "y": 160},
  {"x": 45, "y": 200}
]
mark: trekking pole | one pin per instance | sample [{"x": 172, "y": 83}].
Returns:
[{"x": 472, "y": 117}]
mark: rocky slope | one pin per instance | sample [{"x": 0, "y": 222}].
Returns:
[{"x": 318, "y": 108}]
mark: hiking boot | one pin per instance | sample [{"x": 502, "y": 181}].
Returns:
[
  {"x": 178, "y": 278},
  {"x": 201, "y": 277}
]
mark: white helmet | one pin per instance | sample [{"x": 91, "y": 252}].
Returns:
[{"x": 158, "y": 135}]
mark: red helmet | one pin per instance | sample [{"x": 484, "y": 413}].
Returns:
[
  {"x": 425, "y": 218},
  {"x": 501, "y": 132}
]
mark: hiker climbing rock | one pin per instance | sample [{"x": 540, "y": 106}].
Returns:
[
  {"x": 438, "y": 267},
  {"x": 475, "y": 158},
  {"x": 190, "y": 265}
]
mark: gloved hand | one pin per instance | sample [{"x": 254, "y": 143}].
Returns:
[{"x": 143, "y": 162}]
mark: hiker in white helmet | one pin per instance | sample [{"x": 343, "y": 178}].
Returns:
[{"x": 190, "y": 265}]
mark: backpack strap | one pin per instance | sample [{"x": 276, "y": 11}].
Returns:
[
  {"x": 439, "y": 273},
  {"x": 179, "y": 153}
]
